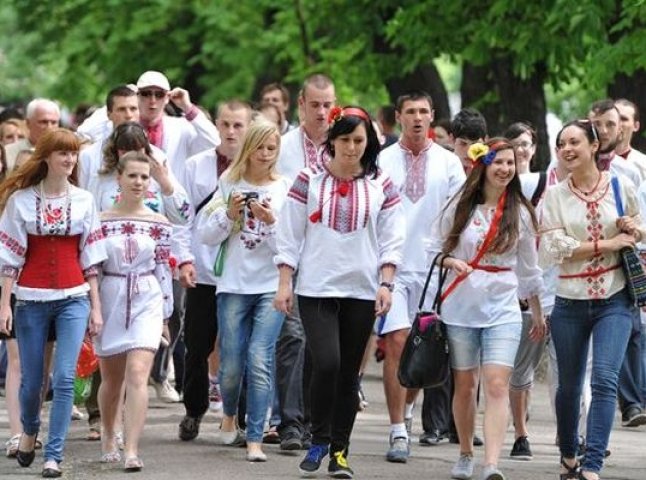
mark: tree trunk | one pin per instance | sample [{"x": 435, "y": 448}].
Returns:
[
  {"x": 632, "y": 88},
  {"x": 426, "y": 78},
  {"x": 503, "y": 99}
]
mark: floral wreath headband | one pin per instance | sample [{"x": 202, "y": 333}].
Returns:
[
  {"x": 337, "y": 113},
  {"x": 484, "y": 153}
]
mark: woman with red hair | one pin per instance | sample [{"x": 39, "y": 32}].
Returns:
[{"x": 50, "y": 246}]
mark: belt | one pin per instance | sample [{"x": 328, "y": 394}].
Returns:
[{"x": 132, "y": 281}]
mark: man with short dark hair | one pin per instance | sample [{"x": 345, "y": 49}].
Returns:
[
  {"x": 42, "y": 115},
  {"x": 121, "y": 105},
  {"x": 467, "y": 127},
  {"x": 196, "y": 270},
  {"x": 426, "y": 175},
  {"x": 276, "y": 94},
  {"x": 387, "y": 120},
  {"x": 605, "y": 118},
  {"x": 629, "y": 124}
]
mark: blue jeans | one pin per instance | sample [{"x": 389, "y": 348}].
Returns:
[
  {"x": 609, "y": 322},
  {"x": 248, "y": 328},
  {"x": 630, "y": 374},
  {"x": 643, "y": 378},
  {"x": 69, "y": 318}
]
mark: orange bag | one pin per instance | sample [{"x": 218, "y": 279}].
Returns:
[{"x": 88, "y": 362}]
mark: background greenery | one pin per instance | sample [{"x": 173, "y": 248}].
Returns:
[{"x": 512, "y": 59}]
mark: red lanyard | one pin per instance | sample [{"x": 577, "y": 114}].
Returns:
[{"x": 491, "y": 234}]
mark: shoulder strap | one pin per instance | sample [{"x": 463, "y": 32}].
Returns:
[
  {"x": 540, "y": 188},
  {"x": 428, "y": 279},
  {"x": 615, "y": 189},
  {"x": 205, "y": 201}
]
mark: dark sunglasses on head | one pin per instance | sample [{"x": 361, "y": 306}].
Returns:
[{"x": 152, "y": 93}]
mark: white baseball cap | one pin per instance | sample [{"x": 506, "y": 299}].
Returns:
[{"x": 151, "y": 78}]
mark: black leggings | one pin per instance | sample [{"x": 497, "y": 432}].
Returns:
[{"x": 337, "y": 331}]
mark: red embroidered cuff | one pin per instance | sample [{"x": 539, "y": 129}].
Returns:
[
  {"x": 191, "y": 113},
  {"x": 7, "y": 271}
]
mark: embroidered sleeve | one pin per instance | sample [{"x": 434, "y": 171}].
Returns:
[
  {"x": 292, "y": 224},
  {"x": 161, "y": 233},
  {"x": 92, "y": 243},
  {"x": 300, "y": 187},
  {"x": 390, "y": 193},
  {"x": 555, "y": 244},
  {"x": 13, "y": 240},
  {"x": 177, "y": 207},
  {"x": 92, "y": 271},
  {"x": 213, "y": 224}
]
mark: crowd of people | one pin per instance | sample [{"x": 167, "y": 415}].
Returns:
[{"x": 261, "y": 259}]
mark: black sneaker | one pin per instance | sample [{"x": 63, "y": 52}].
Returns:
[
  {"x": 633, "y": 417},
  {"x": 521, "y": 450},
  {"x": 477, "y": 441},
  {"x": 189, "y": 428},
  {"x": 312, "y": 461},
  {"x": 338, "y": 467},
  {"x": 291, "y": 441}
]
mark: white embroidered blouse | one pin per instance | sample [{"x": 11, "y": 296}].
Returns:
[{"x": 339, "y": 233}]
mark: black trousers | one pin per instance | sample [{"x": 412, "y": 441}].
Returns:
[
  {"x": 337, "y": 331},
  {"x": 200, "y": 331}
]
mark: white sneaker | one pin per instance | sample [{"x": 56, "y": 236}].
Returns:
[{"x": 165, "y": 392}]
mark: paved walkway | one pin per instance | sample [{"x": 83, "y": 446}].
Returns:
[{"x": 168, "y": 458}]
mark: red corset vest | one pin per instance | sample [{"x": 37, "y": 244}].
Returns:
[{"x": 52, "y": 262}]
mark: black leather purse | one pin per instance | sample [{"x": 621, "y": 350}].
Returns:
[{"x": 425, "y": 359}]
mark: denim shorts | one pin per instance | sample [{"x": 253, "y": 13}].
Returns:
[{"x": 471, "y": 347}]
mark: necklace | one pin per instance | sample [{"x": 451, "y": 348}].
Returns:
[{"x": 590, "y": 192}]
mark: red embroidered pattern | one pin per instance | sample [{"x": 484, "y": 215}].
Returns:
[
  {"x": 415, "y": 186},
  {"x": 95, "y": 236},
  {"x": 315, "y": 157},
  {"x": 300, "y": 188},
  {"x": 12, "y": 244},
  {"x": 596, "y": 287},
  {"x": 392, "y": 196}
]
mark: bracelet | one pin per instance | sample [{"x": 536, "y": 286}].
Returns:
[
  {"x": 595, "y": 244},
  {"x": 389, "y": 285}
]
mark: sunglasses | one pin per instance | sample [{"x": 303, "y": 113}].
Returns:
[{"x": 152, "y": 93}]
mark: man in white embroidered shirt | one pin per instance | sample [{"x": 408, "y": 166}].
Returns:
[
  {"x": 426, "y": 175},
  {"x": 179, "y": 138},
  {"x": 303, "y": 146}
]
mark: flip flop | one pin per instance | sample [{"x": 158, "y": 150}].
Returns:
[{"x": 133, "y": 464}]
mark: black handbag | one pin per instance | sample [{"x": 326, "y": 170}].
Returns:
[
  {"x": 425, "y": 359},
  {"x": 630, "y": 262}
]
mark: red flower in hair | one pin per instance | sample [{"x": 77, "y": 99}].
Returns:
[{"x": 335, "y": 114}]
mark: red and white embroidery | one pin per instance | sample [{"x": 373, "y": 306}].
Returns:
[
  {"x": 596, "y": 287},
  {"x": 415, "y": 184},
  {"x": 315, "y": 157}
]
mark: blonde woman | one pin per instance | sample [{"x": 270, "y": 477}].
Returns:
[{"x": 241, "y": 219}]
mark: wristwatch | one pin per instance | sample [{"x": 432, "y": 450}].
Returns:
[{"x": 389, "y": 285}]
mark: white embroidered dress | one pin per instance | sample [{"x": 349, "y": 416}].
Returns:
[
  {"x": 359, "y": 226},
  {"x": 136, "y": 288}
]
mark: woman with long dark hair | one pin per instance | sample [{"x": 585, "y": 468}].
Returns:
[
  {"x": 488, "y": 232},
  {"x": 342, "y": 228},
  {"x": 50, "y": 246},
  {"x": 583, "y": 234}
]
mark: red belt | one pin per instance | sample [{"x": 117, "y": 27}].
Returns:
[
  {"x": 132, "y": 279},
  {"x": 593, "y": 273}
]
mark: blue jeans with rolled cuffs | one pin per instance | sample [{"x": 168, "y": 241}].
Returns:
[
  {"x": 609, "y": 322},
  {"x": 248, "y": 329},
  {"x": 69, "y": 318}
]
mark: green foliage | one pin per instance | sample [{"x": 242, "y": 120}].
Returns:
[{"x": 75, "y": 50}]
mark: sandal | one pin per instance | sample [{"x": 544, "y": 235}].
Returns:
[
  {"x": 94, "y": 434},
  {"x": 133, "y": 464},
  {"x": 12, "y": 446},
  {"x": 111, "y": 457},
  {"x": 271, "y": 437},
  {"x": 573, "y": 473}
]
